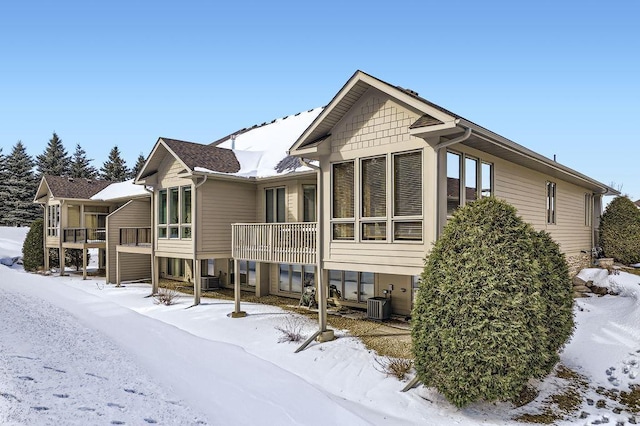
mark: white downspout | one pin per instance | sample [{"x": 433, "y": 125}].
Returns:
[
  {"x": 464, "y": 137},
  {"x": 154, "y": 277},
  {"x": 323, "y": 334},
  {"x": 197, "y": 287}
]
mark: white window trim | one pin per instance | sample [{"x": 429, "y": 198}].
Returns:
[
  {"x": 551, "y": 202},
  {"x": 462, "y": 170},
  {"x": 181, "y": 224},
  {"x": 390, "y": 219}
]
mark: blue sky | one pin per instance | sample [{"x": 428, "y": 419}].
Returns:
[{"x": 558, "y": 77}]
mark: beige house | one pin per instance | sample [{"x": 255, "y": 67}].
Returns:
[
  {"x": 200, "y": 190},
  {"x": 392, "y": 168},
  {"x": 94, "y": 214}
]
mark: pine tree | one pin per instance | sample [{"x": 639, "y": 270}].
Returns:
[
  {"x": 21, "y": 185},
  {"x": 4, "y": 188},
  {"x": 81, "y": 166},
  {"x": 115, "y": 168},
  {"x": 54, "y": 160},
  {"x": 139, "y": 163}
]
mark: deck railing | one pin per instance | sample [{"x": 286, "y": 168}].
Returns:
[
  {"x": 290, "y": 242},
  {"x": 135, "y": 236},
  {"x": 85, "y": 235}
]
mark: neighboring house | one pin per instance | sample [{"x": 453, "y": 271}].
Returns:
[
  {"x": 393, "y": 168},
  {"x": 637, "y": 203},
  {"x": 77, "y": 213},
  {"x": 200, "y": 190}
]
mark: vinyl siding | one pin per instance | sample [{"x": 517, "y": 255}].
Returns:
[
  {"x": 134, "y": 214},
  {"x": 221, "y": 203},
  {"x": 525, "y": 189},
  {"x": 378, "y": 125},
  {"x": 134, "y": 266}
]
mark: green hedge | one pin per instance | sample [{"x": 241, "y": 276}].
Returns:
[
  {"x": 33, "y": 247},
  {"x": 480, "y": 324},
  {"x": 620, "y": 231}
]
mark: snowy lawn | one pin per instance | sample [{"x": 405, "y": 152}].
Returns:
[{"x": 72, "y": 353}]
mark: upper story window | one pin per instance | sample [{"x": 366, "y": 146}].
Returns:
[
  {"x": 389, "y": 195},
  {"x": 174, "y": 212},
  {"x": 407, "y": 196},
  {"x": 551, "y": 203},
  {"x": 477, "y": 176},
  {"x": 343, "y": 217},
  {"x": 276, "y": 207},
  {"x": 53, "y": 220},
  {"x": 373, "y": 192},
  {"x": 309, "y": 203}
]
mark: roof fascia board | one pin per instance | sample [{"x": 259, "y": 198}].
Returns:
[
  {"x": 221, "y": 176},
  {"x": 37, "y": 196},
  {"x": 406, "y": 98},
  {"x": 174, "y": 154},
  {"x": 292, "y": 175},
  {"x": 430, "y": 131},
  {"x": 383, "y": 87},
  {"x": 525, "y": 152},
  {"x": 146, "y": 163},
  {"x": 154, "y": 152},
  {"x": 147, "y": 180},
  {"x": 311, "y": 151},
  {"x": 336, "y": 99}
]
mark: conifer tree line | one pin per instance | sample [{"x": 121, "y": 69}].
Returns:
[{"x": 20, "y": 175}]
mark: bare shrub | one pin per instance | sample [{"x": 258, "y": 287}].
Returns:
[
  {"x": 165, "y": 296},
  {"x": 396, "y": 367},
  {"x": 291, "y": 330}
]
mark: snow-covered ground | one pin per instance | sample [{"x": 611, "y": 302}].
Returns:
[{"x": 74, "y": 352}]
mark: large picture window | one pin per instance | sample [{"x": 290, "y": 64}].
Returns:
[
  {"x": 174, "y": 212},
  {"x": 293, "y": 278},
  {"x": 390, "y": 198},
  {"x": 353, "y": 286}
]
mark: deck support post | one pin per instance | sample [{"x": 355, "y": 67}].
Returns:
[{"x": 237, "y": 313}]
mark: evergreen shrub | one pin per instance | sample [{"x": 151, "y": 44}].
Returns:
[
  {"x": 33, "y": 247},
  {"x": 620, "y": 231},
  {"x": 480, "y": 324}
]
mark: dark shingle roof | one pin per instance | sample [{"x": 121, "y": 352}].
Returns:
[
  {"x": 65, "y": 187},
  {"x": 206, "y": 156},
  {"x": 288, "y": 163}
]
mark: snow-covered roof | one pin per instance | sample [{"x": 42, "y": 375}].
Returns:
[
  {"x": 119, "y": 190},
  {"x": 261, "y": 149}
]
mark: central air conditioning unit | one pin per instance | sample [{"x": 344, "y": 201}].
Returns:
[{"x": 209, "y": 283}]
